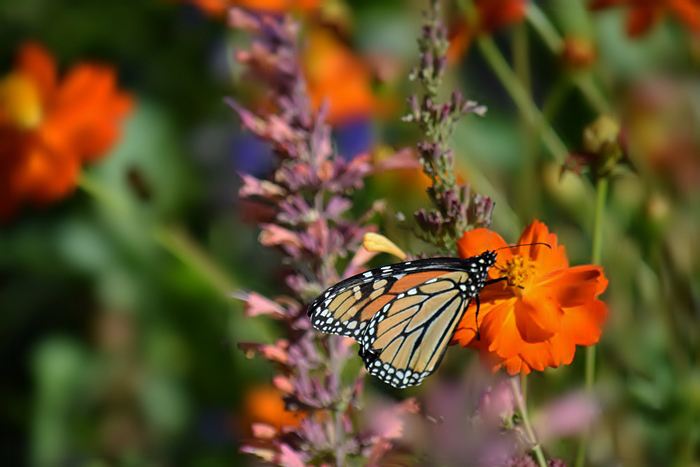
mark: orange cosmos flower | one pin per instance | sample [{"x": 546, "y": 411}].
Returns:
[
  {"x": 264, "y": 404},
  {"x": 537, "y": 317},
  {"x": 49, "y": 128},
  {"x": 644, "y": 14},
  {"x": 335, "y": 73},
  {"x": 491, "y": 16},
  {"x": 218, "y": 7}
]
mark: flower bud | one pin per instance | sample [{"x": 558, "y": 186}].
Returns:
[
  {"x": 578, "y": 52},
  {"x": 601, "y": 140},
  {"x": 379, "y": 243}
]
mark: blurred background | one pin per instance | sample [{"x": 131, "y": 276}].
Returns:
[{"x": 118, "y": 331}]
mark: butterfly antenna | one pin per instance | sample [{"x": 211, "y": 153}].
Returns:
[{"x": 524, "y": 244}]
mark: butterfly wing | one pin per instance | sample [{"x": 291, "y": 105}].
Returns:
[
  {"x": 406, "y": 340},
  {"x": 347, "y": 307},
  {"x": 403, "y": 315}
]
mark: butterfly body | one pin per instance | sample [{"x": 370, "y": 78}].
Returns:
[{"x": 403, "y": 315}]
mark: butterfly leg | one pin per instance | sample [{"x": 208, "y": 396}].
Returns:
[{"x": 476, "y": 317}]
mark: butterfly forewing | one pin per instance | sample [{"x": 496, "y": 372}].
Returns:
[
  {"x": 403, "y": 315},
  {"x": 346, "y": 307}
]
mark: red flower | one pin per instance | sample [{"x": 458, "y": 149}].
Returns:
[
  {"x": 218, "y": 7},
  {"x": 644, "y": 14},
  {"x": 537, "y": 317},
  {"x": 49, "y": 128},
  {"x": 335, "y": 73},
  {"x": 265, "y": 404},
  {"x": 491, "y": 16}
]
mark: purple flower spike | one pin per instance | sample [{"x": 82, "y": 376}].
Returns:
[{"x": 308, "y": 194}]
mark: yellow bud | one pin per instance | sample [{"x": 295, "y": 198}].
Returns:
[
  {"x": 601, "y": 139},
  {"x": 603, "y": 131},
  {"x": 19, "y": 101},
  {"x": 658, "y": 209},
  {"x": 380, "y": 244}
]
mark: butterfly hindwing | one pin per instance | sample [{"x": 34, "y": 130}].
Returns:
[{"x": 408, "y": 338}]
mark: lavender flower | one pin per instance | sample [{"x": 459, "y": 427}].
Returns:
[{"x": 309, "y": 195}]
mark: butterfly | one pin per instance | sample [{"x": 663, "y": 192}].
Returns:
[{"x": 403, "y": 315}]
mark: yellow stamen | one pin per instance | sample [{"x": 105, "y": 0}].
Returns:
[
  {"x": 20, "y": 102},
  {"x": 379, "y": 243},
  {"x": 519, "y": 270}
]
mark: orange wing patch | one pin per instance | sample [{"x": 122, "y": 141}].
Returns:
[
  {"x": 409, "y": 281},
  {"x": 374, "y": 307}
]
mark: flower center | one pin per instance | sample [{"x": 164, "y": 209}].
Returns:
[
  {"x": 20, "y": 103},
  {"x": 519, "y": 270}
]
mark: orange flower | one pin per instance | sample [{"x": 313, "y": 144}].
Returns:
[
  {"x": 644, "y": 14},
  {"x": 218, "y": 7},
  {"x": 578, "y": 52},
  {"x": 264, "y": 404},
  {"x": 48, "y": 129},
  {"x": 334, "y": 73},
  {"x": 491, "y": 16},
  {"x": 537, "y": 317}
]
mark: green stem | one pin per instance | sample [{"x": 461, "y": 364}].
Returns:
[
  {"x": 520, "y": 401},
  {"x": 582, "y": 80},
  {"x": 180, "y": 244},
  {"x": 544, "y": 28},
  {"x": 598, "y": 218},
  {"x": 596, "y": 255},
  {"x": 521, "y": 97},
  {"x": 173, "y": 239},
  {"x": 527, "y": 187}
]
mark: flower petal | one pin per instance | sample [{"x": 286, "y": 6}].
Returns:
[
  {"x": 582, "y": 325},
  {"x": 537, "y": 318},
  {"x": 562, "y": 349},
  {"x": 514, "y": 365},
  {"x": 641, "y": 18},
  {"x": 499, "y": 330},
  {"x": 548, "y": 256},
  {"x": 474, "y": 242},
  {"x": 687, "y": 11},
  {"x": 573, "y": 286},
  {"x": 35, "y": 62}
]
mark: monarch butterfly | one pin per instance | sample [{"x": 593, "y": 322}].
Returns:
[{"x": 403, "y": 315}]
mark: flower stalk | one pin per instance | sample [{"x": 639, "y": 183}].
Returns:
[
  {"x": 602, "y": 185},
  {"x": 172, "y": 239},
  {"x": 521, "y": 98},
  {"x": 522, "y": 409}
]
